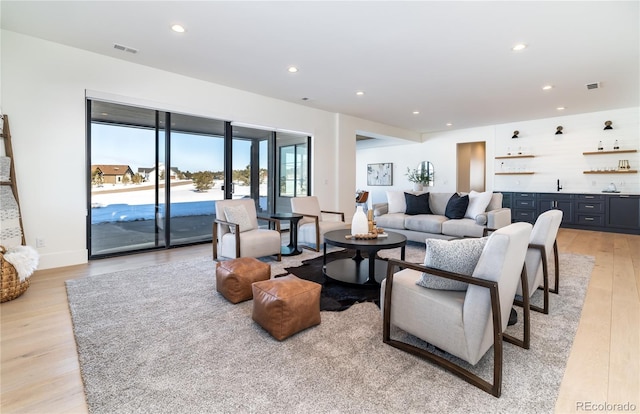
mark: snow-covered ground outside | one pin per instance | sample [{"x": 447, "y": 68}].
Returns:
[{"x": 182, "y": 191}]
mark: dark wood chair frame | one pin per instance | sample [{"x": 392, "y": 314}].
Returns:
[
  {"x": 545, "y": 273},
  {"x": 494, "y": 388},
  {"x": 317, "y": 222},
  {"x": 237, "y": 234},
  {"x": 545, "y": 282},
  {"x": 557, "y": 268}
]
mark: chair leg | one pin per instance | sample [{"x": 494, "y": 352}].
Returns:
[
  {"x": 215, "y": 241},
  {"x": 526, "y": 305},
  {"x": 556, "y": 288},
  {"x": 545, "y": 284},
  {"x": 317, "y": 235}
]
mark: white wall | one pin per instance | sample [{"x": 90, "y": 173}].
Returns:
[
  {"x": 556, "y": 156},
  {"x": 43, "y": 93}
]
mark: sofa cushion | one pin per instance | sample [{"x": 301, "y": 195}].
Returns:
[
  {"x": 391, "y": 221},
  {"x": 458, "y": 256},
  {"x": 417, "y": 203},
  {"x": 478, "y": 203},
  {"x": 427, "y": 223},
  {"x": 456, "y": 206},
  {"x": 396, "y": 201},
  {"x": 463, "y": 227},
  {"x": 438, "y": 202}
]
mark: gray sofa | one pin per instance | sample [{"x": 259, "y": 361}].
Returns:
[{"x": 437, "y": 226}]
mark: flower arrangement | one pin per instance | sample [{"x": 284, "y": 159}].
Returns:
[{"x": 418, "y": 176}]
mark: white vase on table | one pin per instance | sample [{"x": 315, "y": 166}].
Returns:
[
  {"x": 359, "y": 223},
  {"x": 417, "y": 187}
]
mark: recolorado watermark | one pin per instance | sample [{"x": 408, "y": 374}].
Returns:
[{"x": 605, "y": 406}]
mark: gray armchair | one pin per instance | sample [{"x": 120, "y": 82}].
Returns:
[
  {"x": 467, "y": 323},
  {"x": 313, "y": 226},
  {"x": 236, "y": 232}
]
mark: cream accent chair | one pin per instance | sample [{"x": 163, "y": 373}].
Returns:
[
  {"x": 255, "y": 242},
  {"x": 312, "y": 227},
  {"x": 541, "y": 246},
  {"x": 463, "y": 323}
]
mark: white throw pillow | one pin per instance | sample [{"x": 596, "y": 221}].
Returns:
[
  {"x": 457, "y": 256},
  {"x": 478, "y": 203},
  {"x": 397, "y": 203},
  {"x": 240, "y": 216}
]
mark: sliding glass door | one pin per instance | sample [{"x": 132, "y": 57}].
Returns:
[
  {"x": 251, "y": 149},
  {"x": 155, "y": 176},
  {"x": 197, "y": 177},
  {"x": 292, "y": 168},
  {"x": 124, "y": 198}
]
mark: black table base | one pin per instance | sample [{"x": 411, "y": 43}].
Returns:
[{"x": 354, "y": 271}]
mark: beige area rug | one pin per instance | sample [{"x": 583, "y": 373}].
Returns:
[{"x": 162, "y": 340}]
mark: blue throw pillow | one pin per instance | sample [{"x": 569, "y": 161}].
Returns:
[
  {"x": 456, "y": 206},
  {"x": 417, "y": 204}
]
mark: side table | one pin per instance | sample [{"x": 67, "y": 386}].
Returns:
[{"x": 292, "y": 248}]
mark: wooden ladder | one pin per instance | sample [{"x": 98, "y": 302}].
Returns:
[{"x": 8, "y": 148}]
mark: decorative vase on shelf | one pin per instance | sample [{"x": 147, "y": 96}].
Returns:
[
  {"x": 417, "y": 187},
  {"x": 359, "y": 223}
]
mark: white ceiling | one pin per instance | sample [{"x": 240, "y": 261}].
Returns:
[{"x": 452, "y": 61}]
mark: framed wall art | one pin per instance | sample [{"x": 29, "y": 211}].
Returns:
[{"x": 380, "y": 174}]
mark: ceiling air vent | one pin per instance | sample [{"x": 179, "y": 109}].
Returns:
[
  {"x": 594, "y": 85},
  {"x": 125, "y": 48}
]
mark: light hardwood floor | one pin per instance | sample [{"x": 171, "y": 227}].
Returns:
[{"x": 40, "y": 371}]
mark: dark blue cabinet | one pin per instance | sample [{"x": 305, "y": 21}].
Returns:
[
  {"x": 602, "y": 212},
  {"x": 551, "y": 201},
  {"x": 623, "y": 212}
]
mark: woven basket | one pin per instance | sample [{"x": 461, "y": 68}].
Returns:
[{"x": 12, "y": 287}]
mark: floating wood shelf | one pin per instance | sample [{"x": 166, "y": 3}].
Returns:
[
  {"x": 611, "y": 172},
  {"x": 502, "y": 157},
  {"x": 515, "y": 173},
  {"x": 609, "y": 152}
]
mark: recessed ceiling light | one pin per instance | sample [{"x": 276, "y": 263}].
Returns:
[
  {"x": 547, "y": 87},
  {"x": 292, "y": 69},
  {"x": 416, "y": 112},
  {"x": 449, "y": 124},
  {"x": 178, "y": 28},
  {"x": 360, "y": 93},
  {"x": 560, "y": 108},
  {"x": 519, "y": 46}
]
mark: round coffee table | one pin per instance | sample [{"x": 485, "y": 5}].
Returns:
[{"x": 357, "y": 270}]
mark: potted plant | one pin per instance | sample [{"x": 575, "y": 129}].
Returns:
[{"x": 418, "y": 176}]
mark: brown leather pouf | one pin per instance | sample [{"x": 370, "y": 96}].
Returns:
[
  {"x": 234, "y": 277},
  {"x": 286, "y": 305}
]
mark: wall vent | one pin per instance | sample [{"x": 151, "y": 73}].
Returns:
[
  {"x": 594, "y": 85},
  {"x": 125, "y": 48}
]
